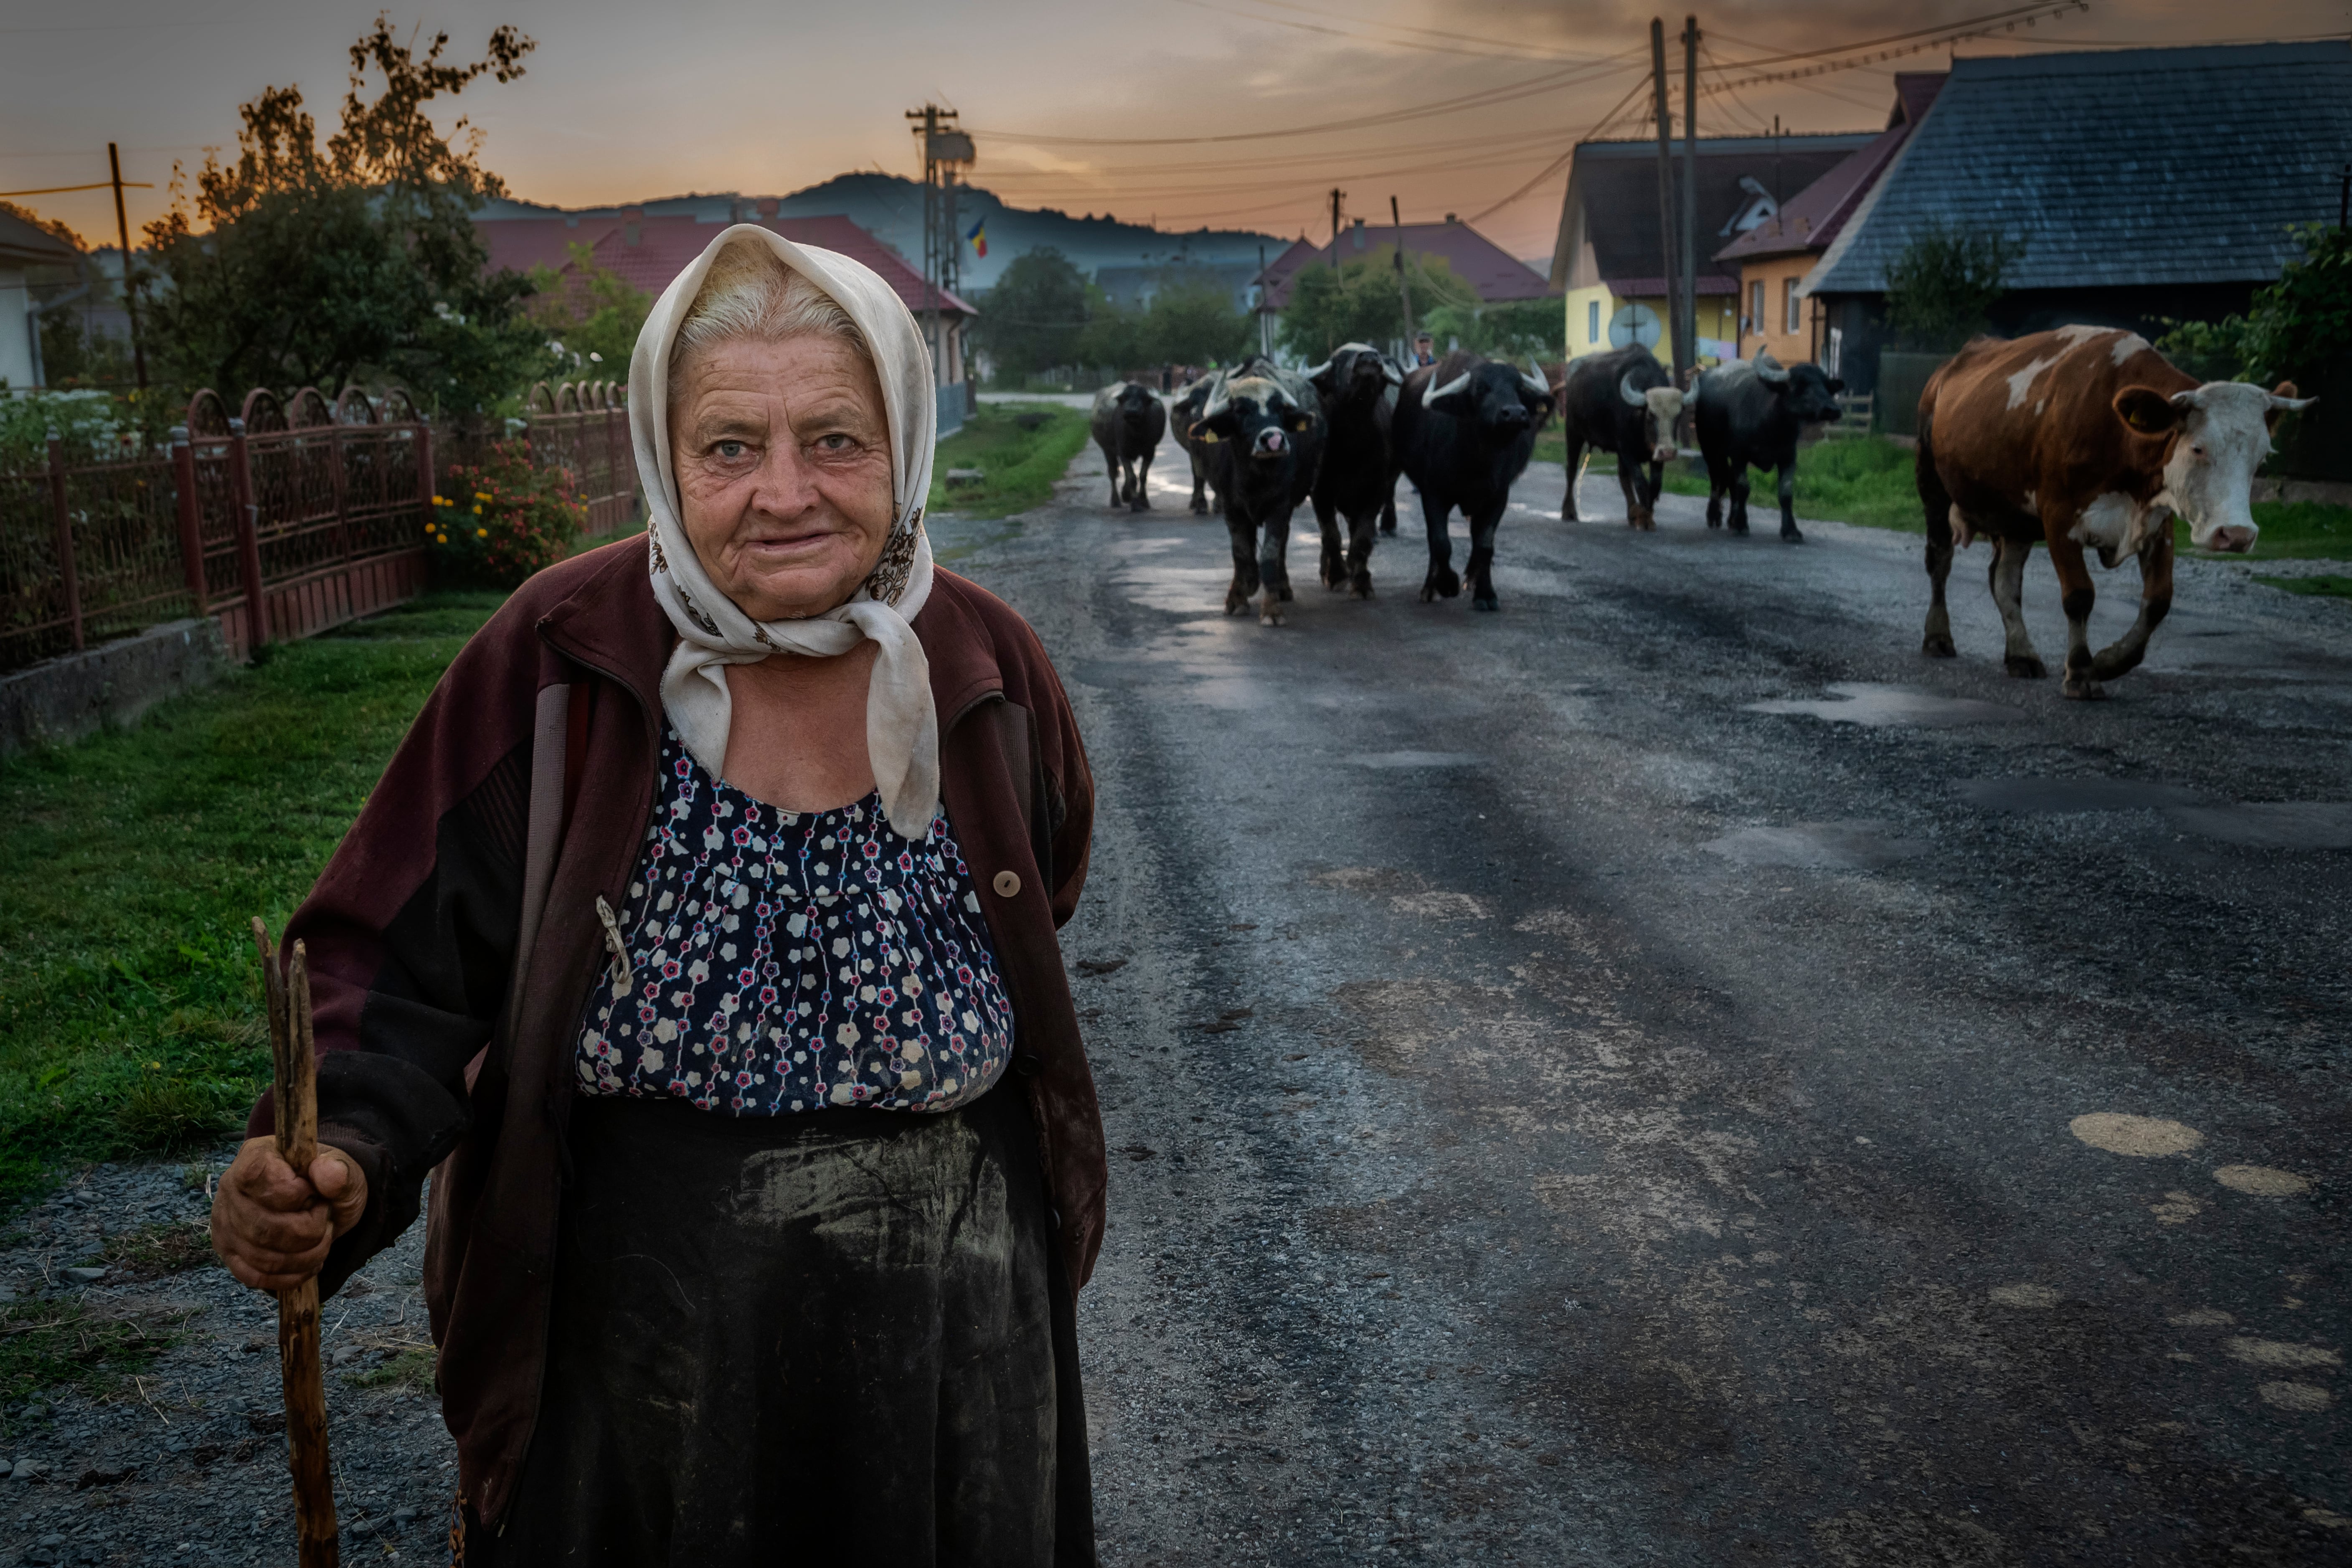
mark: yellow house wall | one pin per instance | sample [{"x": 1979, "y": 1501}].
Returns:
[{"x": 1717, "y": 318}]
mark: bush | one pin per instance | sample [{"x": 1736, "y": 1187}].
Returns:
[
  {"x": 1941, "y": 290},
  {"x": 503, "y": 519},
  {"x": 94, "y": 425},
  {"x": 2300, "y": 327}
]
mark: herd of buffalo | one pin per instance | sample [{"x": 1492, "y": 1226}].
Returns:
[{"x": 2081, "y": 438}]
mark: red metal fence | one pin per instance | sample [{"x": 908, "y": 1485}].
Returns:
[{"x": 312, "y": 511}]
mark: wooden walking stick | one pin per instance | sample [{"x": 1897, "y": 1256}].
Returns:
[{"x": 296, "y": 1079}]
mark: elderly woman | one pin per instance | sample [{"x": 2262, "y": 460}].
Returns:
[{"x": 699, "y": 940}]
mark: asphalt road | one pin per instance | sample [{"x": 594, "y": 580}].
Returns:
[{"x": 1666, "y": 1074}]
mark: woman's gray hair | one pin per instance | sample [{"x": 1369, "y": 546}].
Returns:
[{"x": 749, "y": 293}]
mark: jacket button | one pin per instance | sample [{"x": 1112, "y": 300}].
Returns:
[
  {"x": 1028, "y": 1065},
  {"x": 1007, "y": 885}
]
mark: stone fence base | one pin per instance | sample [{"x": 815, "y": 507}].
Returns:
[{"x": 63, "y": 698}]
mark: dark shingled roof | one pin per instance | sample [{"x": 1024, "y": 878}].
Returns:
[{"x": 2140, "y": 166}]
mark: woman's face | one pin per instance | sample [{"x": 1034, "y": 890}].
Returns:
[{"x": 782, "y": 455}]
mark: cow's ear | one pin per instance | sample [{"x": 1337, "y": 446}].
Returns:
[
  {"x": 1222, "y": 425},
  {"x": 1835, "y": 386},
  {"x": 2147, "y": 410}
]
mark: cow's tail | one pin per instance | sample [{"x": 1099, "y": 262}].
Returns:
[{"x": 1933, "y": 498}]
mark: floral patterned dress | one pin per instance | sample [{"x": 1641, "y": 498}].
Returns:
[{"x": 781, "y": 960}]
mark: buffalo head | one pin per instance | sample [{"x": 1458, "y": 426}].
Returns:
[
  {"x": 1501, "y": 401},
  {"x": 2218, "y": 434},
  {"x": 1804, "y": 389},
  {"x": 1661, "y": 410},
  {"x": 1255, "y": 414},
  {"x": 1134, "y": 404},
  {"x": 1355, "y": 372}
]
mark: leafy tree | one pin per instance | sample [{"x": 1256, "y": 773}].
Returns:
[
  {"x": 1941, "y": 289},
  {"x": 594, "y": 313},
  {"x": 2299, "y": 327},
  {"x": 1035, "y": 315},
  {"x": 299, "y": 264},
  {"x": 1359, "y": 305},
  {"x": 1192, "y": 320},
  {"x": 1516, "y": 330}
]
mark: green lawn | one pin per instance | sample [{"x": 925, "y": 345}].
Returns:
[
  {"x": 2328, "y": 586},
  {"x": 1023, "y": 447},
  {"x": 132, "y": 863}
]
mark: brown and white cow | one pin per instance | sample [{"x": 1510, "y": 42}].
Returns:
[{"x": 2081, "y": 438}]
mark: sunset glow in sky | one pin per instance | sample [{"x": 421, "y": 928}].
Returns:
[{"x": 628, "y": 102}]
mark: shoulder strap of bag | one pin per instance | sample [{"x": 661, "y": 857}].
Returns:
[{"x": 559, "y": 744}]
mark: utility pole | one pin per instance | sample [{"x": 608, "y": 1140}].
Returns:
[
  {"x": 945, "y": 147},
  {"x": 1666, "y": 200},
  {"x": 1338, "y": 195},
  {"x": 129, "y": 300},
  {"x": 1690, "y": 186},
  {"x": 1265, "y": 323},
  {"x": 1404, "y": 295}
]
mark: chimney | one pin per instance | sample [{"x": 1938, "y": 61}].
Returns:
[
  {"x": 766, "y": 207},
  {"x": 632, "y": 222}
]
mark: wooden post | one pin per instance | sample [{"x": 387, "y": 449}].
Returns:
[
  {"x": 192, "y": 525},
  {"x": 248, "y": 537},
  {"x": 62, "y": 515},
  {"x": 296, "y": 1098},
  {"x": 1666, "y": 246}
]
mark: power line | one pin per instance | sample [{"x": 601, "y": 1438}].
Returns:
[
  {"x": 1134, "y": 192},
  {"x": 1402, "y": 27},
  {"x": 1992, "y": 18},
  {"x": 1512, "y": 54},
  {"x": 61, "y": 189}
]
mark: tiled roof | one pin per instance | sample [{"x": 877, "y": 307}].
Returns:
[
  {"x": 1812, "y": 218},
  {"x": 24, "y": 245},
  {"x": 663, "y": 247},
  {"x": 2138, "y": 166},
  {"x": 1655, "y": 288},
  {"x": 1494, "y": 273}
]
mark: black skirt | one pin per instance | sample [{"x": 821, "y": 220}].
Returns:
[{"x": 841, "y": 1336}]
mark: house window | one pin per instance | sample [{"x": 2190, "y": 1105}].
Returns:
[
  {"x": 1592, "y": 320},
  {"x": 1789, "y": 305},
  {"x": 1756, "y": 305}
]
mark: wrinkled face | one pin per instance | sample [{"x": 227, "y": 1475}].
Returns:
[
  {"x": 2220, "y": 437},
  {"x": 782, "y": 457},
  {"x": 1661, "y": 410},
  {"x": 1258, "y": 416}
]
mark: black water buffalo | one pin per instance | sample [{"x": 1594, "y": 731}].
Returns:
[
  {"x": 1183, "y": 413},
  {"x": 1749, "y": 415},
  {"x": 1465, "y": 427},
  {"x": 1129, "y": 419},
  {"x": 1357, "y": 384},
  {"x": 1263, "y": 428},
  {"x": 1623, "y": 402}
]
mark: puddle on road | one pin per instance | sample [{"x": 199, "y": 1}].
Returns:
[
  {"x": 1818, "y": 845},
  {"x": 2277, "y": 825},
  {"x": 1416, "y": 760},
  {"x": 1868, "y": 704},
  {"x": 2142, "y": 1137},
  {"x": 2055, "y": 796}
]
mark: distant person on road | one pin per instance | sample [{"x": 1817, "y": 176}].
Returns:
[
  {"x": 767, "y": 1252},
  {"x": 1424, "y": 349}
]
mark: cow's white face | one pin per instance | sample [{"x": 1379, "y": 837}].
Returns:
[
  {"x": 2221, "y": 433},
  {"x": 1666, "y": 411}
]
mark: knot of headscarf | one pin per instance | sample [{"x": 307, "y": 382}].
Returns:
[{"x": 902, "y": 731}]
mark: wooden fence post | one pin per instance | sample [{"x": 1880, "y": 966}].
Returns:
[
  {"x": 192, "y": 530},
  {"x": 248, "y": 537},
  {"x": 428, "y": 485},
  {"x": 65, "y": 545}
]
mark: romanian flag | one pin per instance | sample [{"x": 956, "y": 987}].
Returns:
[{"x": 978, "y": 234}]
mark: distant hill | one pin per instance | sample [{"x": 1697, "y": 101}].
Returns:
[{"x": 890, "y": 207}]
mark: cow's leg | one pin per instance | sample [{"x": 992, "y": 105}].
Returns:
[
  {"x": 2007, "y": 577},
  {"x": 1361, "y": 527},
  {"x": 1739, "y": 486},
  {"x": 1936, "y": 640},
  {"x": 1273, "y": 568},
  {"x": 1575, "y": 472},
  {"x": 1388, "y": 507},
  {"x": 2076, "y": 597},
  {"x": 1199, "y": 485},
  {"x": 2155, "y": 599},
  {"x": 1789, "y": 531},
  {"x": 1244, "y": 538},
  {"x": 1718, "y": 480},
  {"x": 1142, "y": 502},
  {"x": 1441, "y": 583},
  {"x": 1480, "y": 569},
  {"x": 1110, "y": 461},
  {"x": 1334, "y": 567}
]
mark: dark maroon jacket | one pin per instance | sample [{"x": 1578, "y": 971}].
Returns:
[{"x": 412, "y": 930}]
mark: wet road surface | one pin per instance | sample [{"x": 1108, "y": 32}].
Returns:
[{"x": 1666, "y": 1074}]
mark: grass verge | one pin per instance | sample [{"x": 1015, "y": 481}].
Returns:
[
  {"x": 408, "y": 1369},
  {"x": 151, "y": 1251},
  {"x": 2327, "y": 586},
  {"x": 1022, "y": 447},
  {"x": 62, "y": 1343},
  {"x": 131, "y": 865}
]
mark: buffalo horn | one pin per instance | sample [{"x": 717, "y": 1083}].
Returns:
[
  {"x": 1448, "y": 390},
  {"x": 1536, "y": 383},
  {"x": 1629, "y": 391},
  {"x": 1769, "y": 368},
  {"x": 1388, "y": 368},
  {"x": 1318, "y": 370}
]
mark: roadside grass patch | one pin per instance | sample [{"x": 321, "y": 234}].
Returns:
[
  {"x": 408, "y": 1369},
  {"x": 2298, "y": 530},
  {"x": 1022, "y": 447},
  {"x": 2330, "y": 585},
  {"x": 131, "y": 865},
  {"x": 151, "y": 1251},
  {"x": 1866, "y": 481},
  {"x": 63, "y": 1344}
]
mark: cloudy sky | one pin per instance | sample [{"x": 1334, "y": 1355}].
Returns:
[{"x": 1448, "y": 105}]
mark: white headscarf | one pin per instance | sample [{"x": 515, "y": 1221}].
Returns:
[{"x": 902, "y": 728}]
